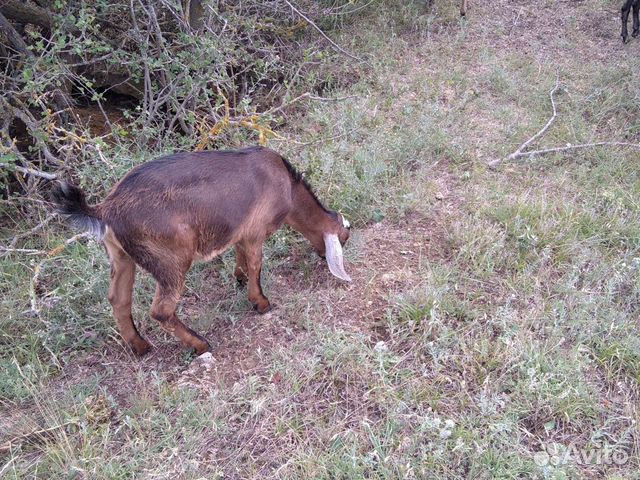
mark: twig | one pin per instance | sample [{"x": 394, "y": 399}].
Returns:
[
  {"x": 578, "y": 146},
  {"x": 361, "y": 7},
  {"x": 19, "y": 440},
  {"x": 321, "y": 32},
  {"x": 29, "y": 171},
  {"x": 520, "y": 152},
  {"x": 6, "y": 466},
  {"x": 515, "y": 22},
  {"x": 38, "y": 269},
  {"x": 464, "y": 6},
  {"x": 20, "y": 236},
  {"x": 310, "y": 97},
  {"x": 317, "y": 140},
  {"x": 543, "y": 129},
  {"x": 32, "y": 125},
  {"x": 30, "y": 251}
]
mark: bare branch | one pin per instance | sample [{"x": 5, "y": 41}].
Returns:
[
  {"x": 32, "y": 125},
  {"x": 30, "y": 251},
  {"x": 29, "y": 171},
  {"x": 579, "y": 146},
  {"x": 321, "y": 32},
  {"x": 31, "y": 436},
  {"x": 36, "y": 274},
  {"x": 310, "y": 97},
  {"x": 521, "y": 153},
  {"x": 20, "y": 236},
  {"x": 543, "y": 129}
]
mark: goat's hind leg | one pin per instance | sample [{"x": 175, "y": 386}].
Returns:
[
  {"x": 636, "y": 19},
  {"x": 123, "y": 272},
  {"x": 624, "y": 13},
  {"x": 163, "y": 309}
]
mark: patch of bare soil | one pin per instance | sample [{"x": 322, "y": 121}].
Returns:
[{"x": 390, "y": 259}]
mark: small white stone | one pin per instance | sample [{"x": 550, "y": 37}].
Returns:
[
  {"x": 381, "y": 346},
  {"x": 206, "y": 357}
]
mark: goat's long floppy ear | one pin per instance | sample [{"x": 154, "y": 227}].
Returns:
[{"x": 333, "y": 254}]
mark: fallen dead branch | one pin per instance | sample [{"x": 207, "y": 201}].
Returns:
[
  {"x": 29, "y": 251},
  {"x": 14, "y": 241},
  {"x": 29, "y": 171},
  {"x": 574, "y": 147},
  {"x": 521, "y": 153},
  {"x": 36, "y": 274},
  {"x": 321, "y": 32},
  {"x": 30, "y": 437},
  {"x": 317, "y": 140},
  {"x": 310, "y": 97}
]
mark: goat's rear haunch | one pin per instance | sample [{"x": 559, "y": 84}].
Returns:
[{"x": 167, "y": 213}]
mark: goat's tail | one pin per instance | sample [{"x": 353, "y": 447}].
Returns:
[{"x": 71, "y": 202}]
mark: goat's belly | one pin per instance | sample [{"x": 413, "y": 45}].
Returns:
[{"x": 206, "y": 257}]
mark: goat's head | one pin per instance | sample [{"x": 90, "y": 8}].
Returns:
[{"x": 334, "y": 236}]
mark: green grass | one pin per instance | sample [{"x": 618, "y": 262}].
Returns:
[{"x": 508, "y": 323}]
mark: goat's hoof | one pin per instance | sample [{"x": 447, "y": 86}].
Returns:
[
  {"x": 625, "y": 40},
  {"x": 202, "y": 347},
  {"x": 635, "y": 33},
  {"x": 263, "y": 307},
  {"x": 140, "y": 347}
]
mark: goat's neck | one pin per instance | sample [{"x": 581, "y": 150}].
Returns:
[{"x": 308, "y": 217}]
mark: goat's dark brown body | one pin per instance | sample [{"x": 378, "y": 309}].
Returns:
[
  {"x": 167, "y": 213},
  {"x": 170, "y": 202}
]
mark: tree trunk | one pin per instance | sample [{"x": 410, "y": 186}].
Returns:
[
  {"x": 13, "y": 38},
  {"x": 22, "y": 12},
  {"x": 195, "y": 14}
]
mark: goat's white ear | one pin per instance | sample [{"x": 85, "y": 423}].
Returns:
[{"x": 333, "y": 254}]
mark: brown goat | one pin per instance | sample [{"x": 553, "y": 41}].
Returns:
[{"x": 165, "y": 214}]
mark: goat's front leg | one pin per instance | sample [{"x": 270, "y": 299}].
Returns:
[
  {"x": 636, "y": 19},
  {"x": 241, "y": 267},
  {"x": 252, "y": 253}
]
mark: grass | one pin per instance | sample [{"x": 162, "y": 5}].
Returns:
[{"x": 493, "y": 313}]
